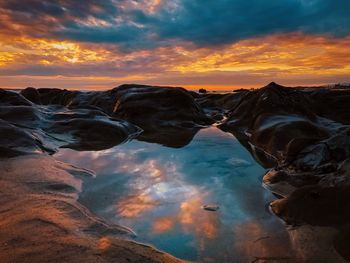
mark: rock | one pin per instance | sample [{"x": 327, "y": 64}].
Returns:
[
  {"x": 210, "y": 207},
  {"x": 337, "y": 102},
  {"x": 239, "y": 90},
  {"x": 339, "y": 146},
  {"x": 94, "y": 134},
  {"x": 31, "y": 94},
  {"x": 11, "y": 98},
  {"x": 312, "y": 157},
  {"x": 151, "y": 107},
  {"x": 315, "y": 205},
  {"x": 219, "y": 102},
  {"x": 156, "y": 110},
  {"x": 174, "y": 137},
  {"x": 278, "y": 119},
  {"x": 26, "y": 127},
  {"x": 283, "y": 184},
  {"x": 307, "y": 139},
  {"x": 15, "y": 141},
  {"x": 302, "y": 133}
]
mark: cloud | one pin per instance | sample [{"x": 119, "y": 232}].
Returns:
[
  {"x": 292, "y": 59},
  {"x": 149, "y": 24},
  {"x": 174, "y": 42}
]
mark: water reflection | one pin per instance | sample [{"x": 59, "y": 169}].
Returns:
[
  {"x": 168, "y": 136},
  {"x": 158, "y": 192}
]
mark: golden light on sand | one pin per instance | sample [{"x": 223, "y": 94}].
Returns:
[{"x": 104, "y": 243}]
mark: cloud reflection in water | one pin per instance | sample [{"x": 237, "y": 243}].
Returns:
[{"x": 158, "y": 192}]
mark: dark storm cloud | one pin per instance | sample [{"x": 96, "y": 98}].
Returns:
[
  {"x": 206, "y": 22},
  {"x": 59, "y": 8},
  {"x": 202, "y": 22}
]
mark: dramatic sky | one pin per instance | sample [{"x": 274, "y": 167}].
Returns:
[{"x": 216, "y": 44}]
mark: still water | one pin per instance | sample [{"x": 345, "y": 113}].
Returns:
[{"x": 159, "y": 191}]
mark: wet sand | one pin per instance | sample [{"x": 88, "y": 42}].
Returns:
[{"x": 42, "y": 221}]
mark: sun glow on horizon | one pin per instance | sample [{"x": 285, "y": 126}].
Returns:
[
  {"x": 103, "y": 44},
  {"x": 292, "y": 59}
]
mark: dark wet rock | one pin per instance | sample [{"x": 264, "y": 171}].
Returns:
[
  {"x": 27, "y": 127},
  {"x": 217, "y": 116},
  {"x": 341, "y": 243},
  {"x": 312, "y": 156},
  {"x": 31, "y": 94},
  {"x": 98, "y": 100},
  {"x": 16, "y": 141},
  {"x": 48, "y": 96},
  {"x": 282, "y": 183},
  {"x": 278, "y": 134},
  {"x": 148, "y": 106},
  {"x": 271, "y": 100},
  {"x": 20, "y": 115},
  {"x": 94, "y": 134},
  {"x": 212, "y": 208},
  {"x": 154, "y": 109},
  {"x": 340, "y": 177},
  {"x": 288, "y": 125},
  {"x": 275, "y": 119},
  {"x": 323, "y": 161},
  {"x": 219, "y": 101},
  {"x": 240, "y": 90},
  {"x": 98, "y": 120},
  {"x": 169, "y": 136},
  {"x": 169, "y": 116},
  {"x": 302, "y": 132},
  {"x": 11, "y": 98},
  {"x": 331, "y": 104},
  {"x": 339, "y": 146},
  {"x": 315, "y": 205},
  {"x": 140, "y": 104}
]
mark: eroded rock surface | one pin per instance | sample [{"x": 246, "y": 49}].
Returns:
[
  {"x": 163, "y": 111},
  {"x": 301, "y": 134},
  {"x": 39, "y": 193},
  {"x": 27, "y": 127},
  {"x": 288, "y": 126}
]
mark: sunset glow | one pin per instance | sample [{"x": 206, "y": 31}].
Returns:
[{"x": 101, "y": 45}]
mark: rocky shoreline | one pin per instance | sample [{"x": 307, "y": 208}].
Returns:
[{"x": 301, "y": 134}]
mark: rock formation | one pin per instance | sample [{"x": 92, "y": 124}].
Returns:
[{"x": 301, "y": 134}]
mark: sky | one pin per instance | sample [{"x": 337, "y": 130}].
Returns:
[{"x": 212, "y": 44}]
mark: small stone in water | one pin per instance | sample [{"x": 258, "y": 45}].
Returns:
[{"x": 210, "y": 207}]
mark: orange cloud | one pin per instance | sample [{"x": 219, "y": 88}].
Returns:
[
  {"x": 163, "y": 224},
  {"x": 293, "y": 59},
  {"x": 134, "y": 206},
  {"x": 192, "y": 217},
  {"x": 293, "y": 53},
  {"x": 40, "y": 51}
]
